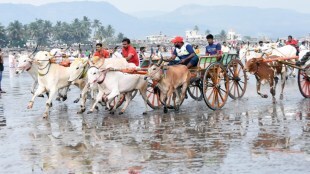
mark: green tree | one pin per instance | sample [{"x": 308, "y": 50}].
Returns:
[
  {"x": 41, "y": 31},
  {"x": 15, "y": 33},
  {"x": 3, "y": 37},
  {"x": 208, "y": 32},
  {"x": 95, "y": 26},
  {"x": 223, "y": 35},
  {"x": 120, "y": 37},
  {"x": 110, "y": 31},
  {"x": 196, "y": 28}
]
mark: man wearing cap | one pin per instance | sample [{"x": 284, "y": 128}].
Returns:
[
  {"x": 185, "y": 52},
  {"x": 213, "y": 49}
]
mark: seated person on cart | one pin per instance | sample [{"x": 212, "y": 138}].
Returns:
[
  {"x": 185, "y": 52},
  {"x": 213, "y": 49}
]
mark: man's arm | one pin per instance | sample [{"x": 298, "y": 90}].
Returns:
[
  {"x": 190, "y": 50},
  {"x": 174, "y": 55},
  {"x": 130, "y": 55}
]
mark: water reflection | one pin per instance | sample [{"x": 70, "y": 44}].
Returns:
[
  {"x": 2, "y": 117},
  {"x": 196, "y": 140}
]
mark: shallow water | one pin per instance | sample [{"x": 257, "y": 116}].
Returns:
[{"x": 248, "y": 136}]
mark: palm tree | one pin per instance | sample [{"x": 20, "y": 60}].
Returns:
[
  {"x": 120, "y": 37},
  {"x": 3, "y": 37},
  {"x": 15, "y": 33},
  {"x": 196, "y": 28},
  {"x": 223, "y": 35},
  {"x": 101, "y": 33},
  {"x": 96, "y": 25},
  {"x": 110, "y": 31},
  {"x": 207, "y": 32}
]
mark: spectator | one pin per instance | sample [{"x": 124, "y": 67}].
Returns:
[
  {"x": 129, "y": 53},
  {"x": 303, "y": 47},
  {"x": 1, "y": 70},
  {"x": 225, "y": 48}
]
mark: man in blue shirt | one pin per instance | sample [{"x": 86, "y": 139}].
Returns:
[
  {"x": 213, "y": 49},
  {"x": 184, "y": 52}
]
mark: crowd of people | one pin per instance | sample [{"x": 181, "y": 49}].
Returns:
[{"x": 181, "y": 52}]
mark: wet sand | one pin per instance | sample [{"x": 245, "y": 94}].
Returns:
[{"x": 250, "y": 135}]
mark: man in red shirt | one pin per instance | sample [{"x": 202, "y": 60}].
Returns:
[
  {"x": 100, "y": 52},
  {"x": 293, "y": 42},
  {"x": 129, "y": 53}
]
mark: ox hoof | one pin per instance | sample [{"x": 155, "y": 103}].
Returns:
[
  {"x": 144, "y": 113},
  {"x": 120, "y": 113},
  {"x": 106, "y": 108},
  {"x": 76, "y": 100},
  {"x": 81, "y": 111},
  {"x": 165, "y": 110},
  {"x": 30, "y": 105},
  {"x": 45, "y": 115},
  {"x": 89, "y": 112},
  {"x": 281, "y": 96},
  {"x": 177, "y": 108},
  {"x": 112, "y": 112},
  {"x": 97, "y": 108},
  {"x": 58, "y": 98},
  {"x": 274, "y": 100},
  {"x": 170, "y": 107},
  {"x": 102, "y": 103},
  {"x": 41, "y": 95},
  {"x": 265, "y": 96},
  {"x": 64, "y": 98}
]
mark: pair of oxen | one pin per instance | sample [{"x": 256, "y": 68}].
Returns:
[{"x": 104, "y": 77}]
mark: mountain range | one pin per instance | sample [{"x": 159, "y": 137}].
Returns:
[{"x": 245, "y": 20}]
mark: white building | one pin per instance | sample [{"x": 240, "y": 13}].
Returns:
[
  {"x": 31, "y": 43},
  {"x": 160, "y": 38},
  {"x": 232, "y": 35},
  {"x": 194, "y": 35}
]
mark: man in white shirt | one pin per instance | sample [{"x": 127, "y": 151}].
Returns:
[
  {"x": 302, "y": 46},
  {"x": 225, "y": 48}
]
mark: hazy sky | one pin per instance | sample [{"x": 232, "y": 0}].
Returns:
[{"x": 169, "y": 5}]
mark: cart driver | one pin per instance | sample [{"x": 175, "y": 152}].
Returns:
[
  {"x": 185, "y": 52},
  {"x": 213, "y": 49}
]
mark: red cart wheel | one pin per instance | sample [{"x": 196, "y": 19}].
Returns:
[
  {"x": 237, "y": 79},
  {"x": 215, "y": 86},
  {"x": 152, "y": 95},
  {"x": 304, "y": 81}
]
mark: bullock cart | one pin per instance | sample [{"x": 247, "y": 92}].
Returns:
[
  {"x": 236, "y": 74},
  {"x": 303, "y": 77},
  {"x": 211, "y": 80}
]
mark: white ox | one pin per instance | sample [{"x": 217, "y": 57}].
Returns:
[
  {"x": 25, "y": 64},
  {"x": 285, "y": 51},
  {"x": 77, "y": 69},
  {"x": 115, "y": 83},
  {"x": 51, "y": 78}
]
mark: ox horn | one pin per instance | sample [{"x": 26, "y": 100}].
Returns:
[
  {"x": 34, "y": 51},
  {"x": 161, "y": 60},
  {"x": 150, "y": 58}
]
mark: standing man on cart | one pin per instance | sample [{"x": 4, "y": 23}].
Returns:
[{"x": 213, "y": 49}]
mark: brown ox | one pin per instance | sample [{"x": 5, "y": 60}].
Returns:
[
  {"x": 264, "y": 71},
  {"x": 169, "y": 80}
]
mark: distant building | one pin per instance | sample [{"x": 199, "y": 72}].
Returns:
[
  {"x": 157, "y": 39},
  {"x": 31, "y": 43},
  {"x": 192, "y": 35},
  {"x": 232, "y": 35}
]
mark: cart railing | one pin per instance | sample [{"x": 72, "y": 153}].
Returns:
[{"x": 283, "y": 60}]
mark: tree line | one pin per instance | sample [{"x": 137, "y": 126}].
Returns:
[{"x": 44, "y": 32}]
